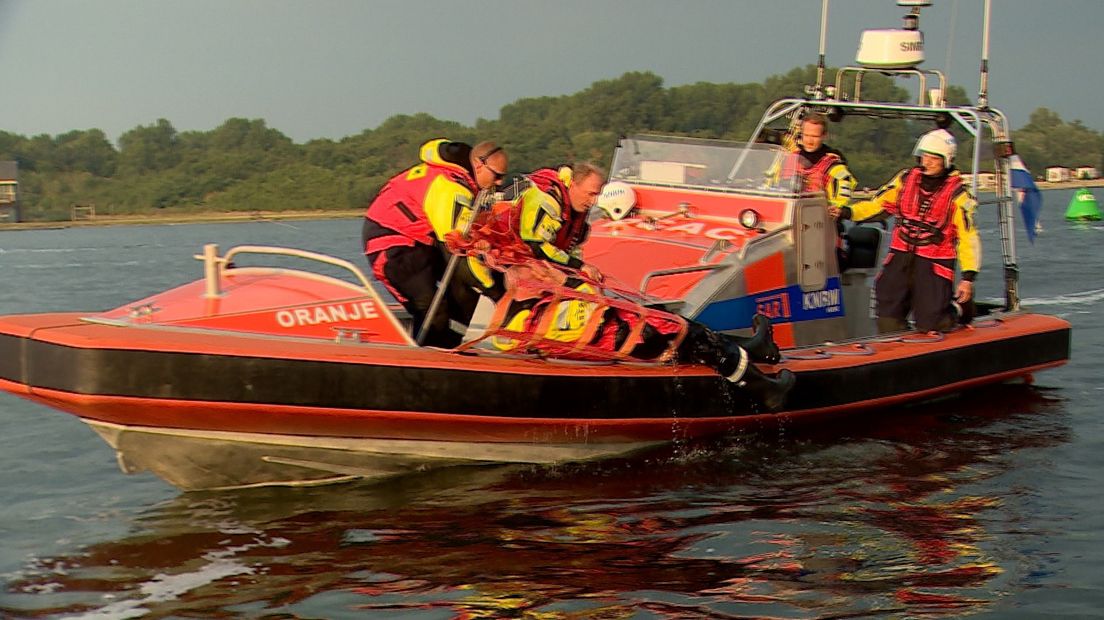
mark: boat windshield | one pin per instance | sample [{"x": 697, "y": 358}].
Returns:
[{"x": 712, "y": 164}]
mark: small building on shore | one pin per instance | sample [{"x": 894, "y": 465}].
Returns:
[
  {"x": 9, "y": 192},
  {"x": 1086, "y": 173},
  {"x": 1057, "y": 174}
]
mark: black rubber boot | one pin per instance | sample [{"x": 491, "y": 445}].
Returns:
[
  {"x": 724, "y": 354},
  {"x": 768, "y": 391},
  {"x": 760, "y": 346}
]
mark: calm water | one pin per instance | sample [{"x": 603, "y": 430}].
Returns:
[{"x": 988, "y": 504}]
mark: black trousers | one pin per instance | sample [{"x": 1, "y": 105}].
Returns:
[
  {"x": 923, "y": 286},
  {"x": 412, "y": 274}
]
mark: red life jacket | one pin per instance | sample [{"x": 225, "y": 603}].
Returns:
[
  {"x": 925, "y": 222},
  {"x": 815, "y": 177},
  {"x": 574, "y": 229},
  {"x": 399, "y": 205}
]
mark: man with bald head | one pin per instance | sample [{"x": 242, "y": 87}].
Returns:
[{"x": 405, "y": 226}]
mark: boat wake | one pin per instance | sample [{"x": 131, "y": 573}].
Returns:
[
  {"x": 127, "y": 263},
  {"x": 1072, "y": 299},
  {"x": 50, "y": 250}
]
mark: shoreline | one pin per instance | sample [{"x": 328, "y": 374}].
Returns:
[
  {"x": 1070, "y": 184},
  {"x": 155, "y": 219}
]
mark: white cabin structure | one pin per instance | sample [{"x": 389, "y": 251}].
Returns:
[{"x": 1057, "y": 174}]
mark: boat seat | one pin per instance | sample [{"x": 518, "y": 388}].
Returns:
[{"x": 863, "y": 244}]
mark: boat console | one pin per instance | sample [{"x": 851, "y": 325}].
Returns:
[{"x": 721, "y": 231}]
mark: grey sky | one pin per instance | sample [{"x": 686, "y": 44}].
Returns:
[{"x": 332, "y": 68}]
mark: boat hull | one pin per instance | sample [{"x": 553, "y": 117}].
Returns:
[
  {"x": 208, "y": 460},
  {"x": 304, "y": 411}
]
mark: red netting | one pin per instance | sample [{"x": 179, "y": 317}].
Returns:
[{"x": 492, "y": 240}]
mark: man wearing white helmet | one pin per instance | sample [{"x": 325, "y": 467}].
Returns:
[{"x": 934, "y": 214}]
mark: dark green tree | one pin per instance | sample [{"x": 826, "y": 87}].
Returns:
[
  {"x": 148, "y": 149},
  {"x": 85, "y": 151},
  {"x": 244, "y": 164},
  {"x": 1048, "y": 141}
]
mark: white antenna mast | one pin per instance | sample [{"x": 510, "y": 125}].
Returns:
[
  {"x": 983, "y": 90},
  {"x": 823, "y": 40}
]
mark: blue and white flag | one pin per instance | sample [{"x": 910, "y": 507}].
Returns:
[{"x": 1031, "y": 200}]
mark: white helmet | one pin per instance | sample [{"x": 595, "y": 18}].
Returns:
[
  {"x": 938, "y": 142},
  {"x": 617, "y": 199}
]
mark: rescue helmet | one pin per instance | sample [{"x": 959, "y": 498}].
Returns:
[
  {"x": 617, "y": 199},
  {"x": 937, "y": 142}
]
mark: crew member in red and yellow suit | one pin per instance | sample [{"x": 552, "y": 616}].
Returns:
[
  {"x": 405, "y": 225},
  {"x": 822, "y": 168},
  {"x": 543, "y": 216},
  {"x": 552, "y": 209},
  {"x": 934, "y": 226}
]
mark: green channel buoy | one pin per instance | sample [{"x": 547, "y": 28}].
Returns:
[{"x": 1083, "y": 206}]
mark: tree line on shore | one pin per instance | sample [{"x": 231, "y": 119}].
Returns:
[{"x": 244, "y": 165}]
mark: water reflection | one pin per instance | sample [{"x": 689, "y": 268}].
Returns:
[{"x": 865, "y": 518}]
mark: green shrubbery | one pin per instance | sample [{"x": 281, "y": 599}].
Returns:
[{"x": 246, "y": 165}]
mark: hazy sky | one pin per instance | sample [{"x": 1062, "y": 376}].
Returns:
[{"x": 332, "y": 68}]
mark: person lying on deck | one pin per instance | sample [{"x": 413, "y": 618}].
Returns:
[{"x": 559, "y": 312}]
